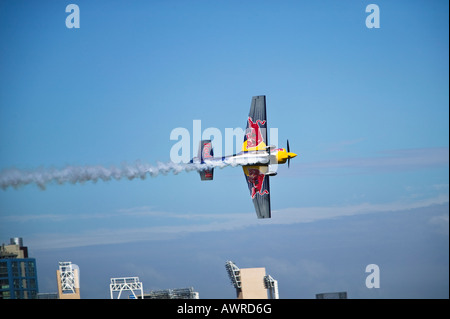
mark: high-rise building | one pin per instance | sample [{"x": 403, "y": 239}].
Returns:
[
  {"x": 18, "y": 275},
  {"x": 250, "y": 283}
]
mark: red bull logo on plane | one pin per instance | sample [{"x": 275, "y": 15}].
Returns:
[
  {"x": 253, "y": 134},
  {"x": 207, "y": 151},
  {"x": 256, "y": 178}
]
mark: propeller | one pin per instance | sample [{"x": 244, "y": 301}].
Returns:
[
  {"x": 288, "y": 149},
  {"x": 289, "y": 154}
]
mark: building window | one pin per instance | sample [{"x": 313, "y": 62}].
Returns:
[
  {"x": 32, "y": 283},
  {"x": 3, "y": 269},
  {"x": 6, "y": 294},
  {"x": 31, "y": 269},
  {"x": 16, "y": 283},
  {"x": 4, "y": 284},
  {"x": 15, "y": 269}
]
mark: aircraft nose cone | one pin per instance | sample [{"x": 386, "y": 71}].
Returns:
[{"x": 292, "y": 155}]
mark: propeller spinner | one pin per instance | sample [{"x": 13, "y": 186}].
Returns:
[{"x": 290, "y": 155}]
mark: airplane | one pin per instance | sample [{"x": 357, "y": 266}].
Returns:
[{"x": 255, "y": 157}]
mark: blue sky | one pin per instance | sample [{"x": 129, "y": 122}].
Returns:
[{"x": 365, "y": 109}]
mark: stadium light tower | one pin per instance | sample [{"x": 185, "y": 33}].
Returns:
[
  {"x": 68, "y": 280},
  {"x": 67, "y": 277},
  {"x": 271, "y": 285},
  {"x": 234, "y": 273},
  {"x": 127, "y": 284}
]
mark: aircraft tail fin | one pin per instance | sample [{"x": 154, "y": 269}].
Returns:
[{"x": 205, "y": 151}]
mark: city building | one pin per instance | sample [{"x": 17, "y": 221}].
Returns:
[
  {"x": 18, "y": 275},
  {"x": 332, "y": 295},
  {"x": 177, "y": 293},
  {"x": 47, "y": 295},
  {"x": 251, "y": 283},
  {"x": 68, "y": 280},
  {"x": 132, "y": 288},
  {"x": 130, "y": 284}
]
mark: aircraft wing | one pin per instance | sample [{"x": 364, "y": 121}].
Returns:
[
  {"x": 258, "y": 184},
  {"x": 256, "y": 132}
]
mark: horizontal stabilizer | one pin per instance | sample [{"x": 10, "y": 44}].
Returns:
[{"x": 207, "y": 175}]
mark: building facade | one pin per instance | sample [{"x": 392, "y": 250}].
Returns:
[
  {"x": 250, "y": 283},
  {"x": 332, "y": 295},
  {"x": 177, "y": 293},
  {"x": 18, "y": 275}
]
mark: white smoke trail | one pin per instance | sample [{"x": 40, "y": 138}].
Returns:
[{"x": 79, "y": 174}]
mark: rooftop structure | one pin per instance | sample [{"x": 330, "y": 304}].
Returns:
[
  {"x": 272, "y": 286},
  {"x": 251, "y": 283},
  {"x": 332, "y": 295},
  {"x": 234, "y": 273},
  {"x": 177, "y": 293},
  {"x": 68, "y": 280},
  {"x": 15, "y": 249},
  {"x": 131, "y": 284}
]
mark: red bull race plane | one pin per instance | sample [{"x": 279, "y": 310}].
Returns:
[{"x": 256, "y": 157}]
